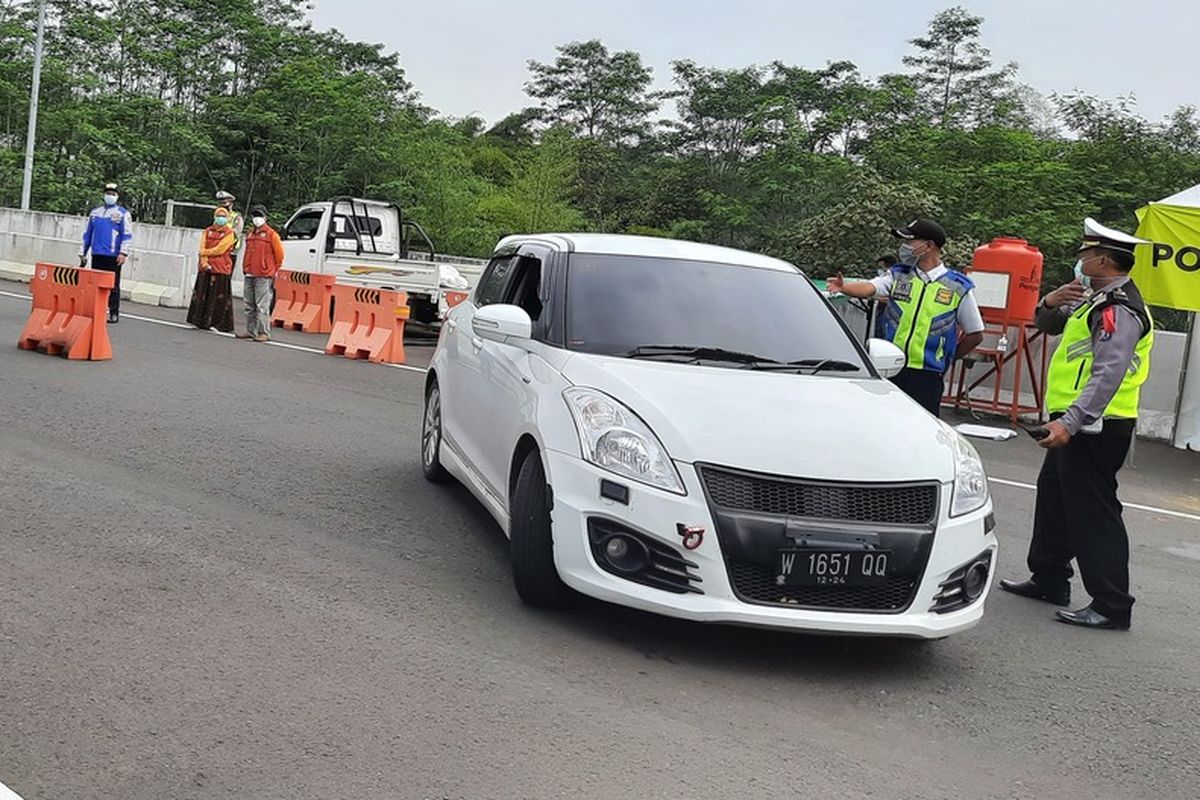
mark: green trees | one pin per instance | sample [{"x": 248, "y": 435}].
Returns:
[{"x": 176, "y": 98}]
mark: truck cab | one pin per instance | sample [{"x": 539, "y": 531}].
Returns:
[{"x": 370, "y": 242}]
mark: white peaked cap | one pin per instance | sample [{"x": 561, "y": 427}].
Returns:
[{"x": 1097, "y": 235}]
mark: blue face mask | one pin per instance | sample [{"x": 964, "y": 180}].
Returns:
[
  {"x": 110, "y": 199},
  {"x": 222, "y": 221},
  {"x": 908, "y": 255},
  {"x": 1085, "y": 280}
]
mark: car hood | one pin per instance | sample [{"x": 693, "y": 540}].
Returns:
[{"x": 824, "y": 427}]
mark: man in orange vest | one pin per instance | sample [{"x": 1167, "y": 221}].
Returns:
[{"x": 262, "y": 259}]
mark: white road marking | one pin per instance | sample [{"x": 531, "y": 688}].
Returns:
[
  {"x": 172, "y": 324},
  {"x": 1149, "y": 509},
  {"x": 8, "y": 794}
]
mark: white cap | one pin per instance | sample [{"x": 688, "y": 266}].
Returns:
[
  {"x": 1097, "y": 235},
  {"x": 224, "y": 195}
]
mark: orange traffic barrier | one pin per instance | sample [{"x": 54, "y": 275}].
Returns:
[
  {"x": 368, "y": 323},
  {"x": 70, "y": 313},
  {"x": 454, "y": 298},
  {"x": 302, "y": 301}
]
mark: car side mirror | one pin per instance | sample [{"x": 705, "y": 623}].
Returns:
[
  {"x": 887, "y": 358},
  {"x": 500, "y": 322}
]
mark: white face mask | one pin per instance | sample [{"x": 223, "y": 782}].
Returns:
[
  {"x": 259, "y": 221},
  {"x": 110, "y": 199}
]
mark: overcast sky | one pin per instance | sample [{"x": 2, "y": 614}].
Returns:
[{"x": 467, "y": 57}]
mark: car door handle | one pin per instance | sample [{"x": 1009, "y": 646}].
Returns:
[
  {"x": 477, "y": 343},
  {"x": 312, "y": 250}
]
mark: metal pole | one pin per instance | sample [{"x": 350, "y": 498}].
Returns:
[
  {"x": 1183, "y": 373},
  {"x": 31, "y": 134}
]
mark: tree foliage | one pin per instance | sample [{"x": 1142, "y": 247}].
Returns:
[{"x": 177, "y": 98}]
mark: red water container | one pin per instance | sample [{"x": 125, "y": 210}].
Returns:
[{"x": 1022, "y": 263}]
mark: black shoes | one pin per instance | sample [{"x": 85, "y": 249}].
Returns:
[
  {"x": 113, "y": 318},
  {"x": 1060, "y": 596},
  {"x": 1089, "y": 617}
]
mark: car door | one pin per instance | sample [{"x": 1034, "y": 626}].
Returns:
[
  {"x": 505, "y": 389},
  {"x": 465, "y": 394}
]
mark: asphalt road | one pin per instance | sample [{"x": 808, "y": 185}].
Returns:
[{"x": 223, "y": 576}]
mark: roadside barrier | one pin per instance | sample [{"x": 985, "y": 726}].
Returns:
[
  {"x": 70, "y": 313},
  {"x": 368, "y": 323},
  {"x": 302, "y": 301},
  {"x": 454, "y": 298}
]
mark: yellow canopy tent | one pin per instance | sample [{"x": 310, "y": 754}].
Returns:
[{"x": 1168, "y": 275}]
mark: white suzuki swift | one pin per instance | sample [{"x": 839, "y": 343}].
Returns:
[{"x": 691, "y": 430}]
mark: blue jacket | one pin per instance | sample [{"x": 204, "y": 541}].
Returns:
[{"x": 109, "y": 231}]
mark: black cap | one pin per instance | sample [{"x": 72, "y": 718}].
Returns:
[
  {"x": 258, "y": 211},
  {"x": 922, "y": 229}
]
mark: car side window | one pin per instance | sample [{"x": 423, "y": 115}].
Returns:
[
  {"x": 491, "y": 286},
  {"x": 525, "y": 288}
]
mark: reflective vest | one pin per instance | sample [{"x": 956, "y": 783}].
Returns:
[
  {"x": 1071, "y": 365},
  {"x": 922, "y": 318}
]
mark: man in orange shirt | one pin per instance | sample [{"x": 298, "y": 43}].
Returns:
[{"x": 263, "y": 258}]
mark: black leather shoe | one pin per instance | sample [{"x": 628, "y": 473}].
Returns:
[
  {"x": 1059, "y": 597},
  {"x": 1089, "y": 617}
]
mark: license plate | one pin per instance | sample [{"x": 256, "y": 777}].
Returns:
[{"x": 832, "y": 567}]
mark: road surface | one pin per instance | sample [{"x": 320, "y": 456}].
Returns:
[{"x": 223, "y": 576}]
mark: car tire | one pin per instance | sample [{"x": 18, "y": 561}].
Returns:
[
  {"x": 431, "y": 435},
  {"x": 531, "y": 540}
]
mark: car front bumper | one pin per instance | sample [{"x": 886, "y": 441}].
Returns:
[{"x": 658, "y": 515}]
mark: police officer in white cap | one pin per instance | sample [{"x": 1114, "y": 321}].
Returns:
[{"x": 1092, "y": 391}]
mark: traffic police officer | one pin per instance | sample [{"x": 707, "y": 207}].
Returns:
[
  {"x": 236, "y": 221},
  {"x": 927, "y": 305},
  {"x": 1092, "y": 389},
  {"x": 108, "y": 235}
]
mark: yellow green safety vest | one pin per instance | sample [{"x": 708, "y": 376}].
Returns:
[
  {"x": 1071, "y": 365},
  {"x": 922, "y": 318}
]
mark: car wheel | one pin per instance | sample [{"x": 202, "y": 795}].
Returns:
[
  {"x": 531, "y": 545},
  {"x": 431, "y": 435}
]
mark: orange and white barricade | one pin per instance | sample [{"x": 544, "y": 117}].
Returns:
[
  {"x": 302, "y": 301},
  {"x": 70, "y": 313},
  {"x": 368, "y": 323}
]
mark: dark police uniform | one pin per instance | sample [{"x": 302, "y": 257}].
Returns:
[{"x": 1092, "y": 389}]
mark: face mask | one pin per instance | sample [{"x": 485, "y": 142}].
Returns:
[
  {"x": 908, "y": 255},
  {"x": 259, "y": 221},
  {"x": 222, "y": 221},
  {"x": 1085, "y": 280},
  {"x": 110, "y": 199}
]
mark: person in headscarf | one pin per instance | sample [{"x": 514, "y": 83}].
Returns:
[{"x": 212, "y": 297}]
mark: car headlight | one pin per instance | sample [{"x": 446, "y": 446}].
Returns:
[
  {"x": 970, "y": 481},
  {"x": 614, "y": 438}
]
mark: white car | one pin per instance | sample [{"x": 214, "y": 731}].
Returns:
[{"x": 692, "y": 431}]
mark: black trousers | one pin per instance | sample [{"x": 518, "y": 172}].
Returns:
[
  {"x": 924, "y": 386},
  {"x": 109, "y": 264},
  {"x": 1078, "y": 516}
]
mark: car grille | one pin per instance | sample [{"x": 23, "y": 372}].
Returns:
[
  {"x": 911, "y": 504},
  {"x": 756, "y": 583}
]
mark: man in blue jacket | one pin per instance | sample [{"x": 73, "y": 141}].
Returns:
[{"x": 108, "y": 235}]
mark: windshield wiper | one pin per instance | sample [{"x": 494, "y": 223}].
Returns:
[
  {"x": 699, "y": 354},
  {"x": 812, "y": 365}
]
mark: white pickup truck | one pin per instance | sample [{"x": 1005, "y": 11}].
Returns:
[{"x": 369, "y": 242}]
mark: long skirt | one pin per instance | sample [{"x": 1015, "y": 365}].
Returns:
[{"x": 212, "y": 302}]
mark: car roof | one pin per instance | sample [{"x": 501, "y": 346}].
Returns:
[{"x": 650, "y": 247}]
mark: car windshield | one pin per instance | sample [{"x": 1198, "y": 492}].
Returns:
[{"x": 695, "y": 311}]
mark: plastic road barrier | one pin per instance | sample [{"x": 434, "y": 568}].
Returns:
[
  {"x": 70, "y": 313},
  {"x": 302, "y": 301},
  {"x": 368, "y": 323}
]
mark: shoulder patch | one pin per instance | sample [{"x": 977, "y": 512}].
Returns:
[{"x": 1108, "y": 323}]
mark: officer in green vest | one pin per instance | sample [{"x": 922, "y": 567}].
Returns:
[
  {"x": 1092, "y": 389},
  {"x": 931, "y": 312}
]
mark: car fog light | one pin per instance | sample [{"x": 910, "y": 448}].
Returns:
[
  {"x": 626, "y": 554},
  {"x": 975, "y": 580}
]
